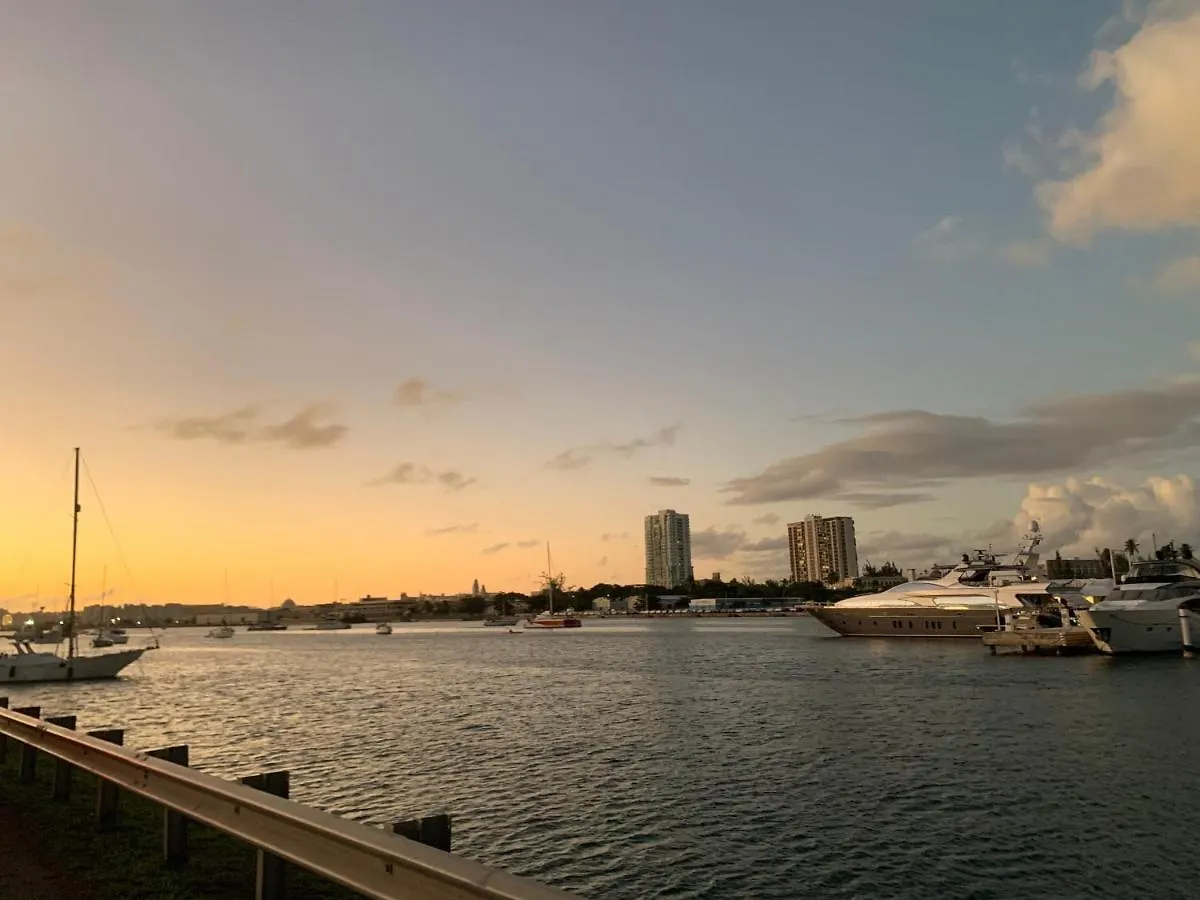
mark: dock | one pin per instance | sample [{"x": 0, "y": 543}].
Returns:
[{"x": 1044, "y": 641}]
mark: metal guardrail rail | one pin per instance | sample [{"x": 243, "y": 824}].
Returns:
[{"x": 371, "y": 861}]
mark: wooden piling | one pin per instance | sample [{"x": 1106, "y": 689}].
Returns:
[
  {"x": 28, "y": 770},
  {"x": 433, "y": 831},
  {"x": 106, "y": 792},
  {"x": 62, "y": 768},
  {"x": 3, "y": 737},
  {"x": 174, "y": 823},
  {"x": 270, "y": 882}
]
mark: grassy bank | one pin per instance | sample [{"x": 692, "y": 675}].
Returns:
[{"x": 125, "y": 862}]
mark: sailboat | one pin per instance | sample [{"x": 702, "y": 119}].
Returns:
[
  {"x": 548, "y": 619},
  {"x": 107, "y": 634},
  {"x": 26, "y": 665}
]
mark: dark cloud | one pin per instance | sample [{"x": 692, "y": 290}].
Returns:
[
  {"x": 579, "y": 457},
  {"x": 504, "y": 545},
  {"x": 899, "y": 451},
  {"x": 412, "y": 473},
  {"x": 668, "y": 481},
  {"x": 765, "y": 544},
  {"x": 602, "y": 562},
  {"x": 470, "y": 528},
  {"x": 302, "y": 431},
  {"x": 768, "y": 519},
  {"x": 713, "y": 544},
  {"x": 615, "y": 536},
  {"x": 417, "y": 392}
]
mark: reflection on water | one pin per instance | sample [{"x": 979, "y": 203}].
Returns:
[{"x": 688, "y": 758}]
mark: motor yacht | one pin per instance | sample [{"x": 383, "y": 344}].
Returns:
[
  {"x": 972, "y": 597},
  {"x": 1143, "y": 613}
]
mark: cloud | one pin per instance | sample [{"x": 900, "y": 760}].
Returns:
[
  {"x": 417, "y": 392},
  {"x": 767, "y": 519},
  {"x": 1077, "y": 516},
  {"x": 947, "y": 242},
  {"x": 1137, "y": 168},
  {"x": 668, "y": 481},
  {"x": 1032, "y": 254},
  {"x": 504, "y": 545},
  {"x": 579, "y": 457},
  {"x": 765, "y": 544},
  {"x": 615, "y": 536},
  {"x": 412, "y": 473},
  {"x": 900, "y": 451},
  {"x": 301, "y": 431},
  {"x": 713, "y": 544},
  {"x": 602, "y": 561},
  {"x": 469, "y": 528},
  {"x": 1180, "y": 275},
  {"x": 1193, "y": 349}
]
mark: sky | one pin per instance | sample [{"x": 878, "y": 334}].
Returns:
[{"x": 380, "y": 297}]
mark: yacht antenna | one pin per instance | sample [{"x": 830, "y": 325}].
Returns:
[
  {"x": 71, "y": 641},
  {"x": 549, "y": 578}
]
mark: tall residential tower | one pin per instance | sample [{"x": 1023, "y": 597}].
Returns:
[
  {"x": 668, "y": 549},
  {"x": 821, "y": 547}
]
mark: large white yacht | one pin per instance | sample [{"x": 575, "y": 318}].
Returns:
[
  {"x": 1141, "y": 614},
  {"x": 972, "y": 597}
]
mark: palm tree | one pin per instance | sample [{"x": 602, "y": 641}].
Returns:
[
  {"x": 1131, "y": 549},
  {"x": 1185, "y": 550}
]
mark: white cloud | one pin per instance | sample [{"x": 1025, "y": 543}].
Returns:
[
  {"x": 1027, "y": 254},
  {"x": 1077, "y": 516},
  {"x": 947, "y": 242},
  {"x": 1139, "y": 167},
  {"x": 1193, "y": 348},
  {"x": 1179, "y": 275}
]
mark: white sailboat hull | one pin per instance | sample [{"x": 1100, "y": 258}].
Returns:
[{"x": 35, "y": 667}]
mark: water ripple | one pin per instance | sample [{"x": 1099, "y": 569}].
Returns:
[{"x": 677, "y": 759}]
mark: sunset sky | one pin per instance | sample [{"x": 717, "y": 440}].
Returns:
[{"x": 390, "y": 293}]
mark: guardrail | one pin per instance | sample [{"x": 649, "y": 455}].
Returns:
[{"x": 373, "y": 862}]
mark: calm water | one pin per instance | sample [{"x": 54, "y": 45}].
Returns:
[{"x": 720, "y": 758}]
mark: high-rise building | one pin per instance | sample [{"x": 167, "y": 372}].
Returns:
[
  {"x": 668, "y": 549},
  {"x": 819, "y": 547}
]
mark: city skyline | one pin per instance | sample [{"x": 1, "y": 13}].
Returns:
[{"x": 387, "y": 296}]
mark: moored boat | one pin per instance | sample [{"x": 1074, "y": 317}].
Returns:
[
  {"x": 971, "y": 598},
  {"x": 27, "y": 665},
  {"x": 1146, "y": 612}
]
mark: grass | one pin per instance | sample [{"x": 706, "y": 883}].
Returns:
[{"x": 125, "y": 861}]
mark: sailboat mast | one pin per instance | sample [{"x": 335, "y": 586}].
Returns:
[
  {"x": 71, "y": 645},
  {"x": 549, "y": 577}
]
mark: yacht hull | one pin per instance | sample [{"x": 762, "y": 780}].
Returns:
[
  {"x": 1137, "y": 630},
  {"x": 906, "y": 622},
  {"x": 53, "y": 668}
]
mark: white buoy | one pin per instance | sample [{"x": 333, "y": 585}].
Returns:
[{"x": 1185, "y": 629}]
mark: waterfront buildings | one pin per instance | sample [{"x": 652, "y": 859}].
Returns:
[
  {"x": 823, "y": 549},
  {"x": 668, "y": 549},
  {"x": 1088, "y": 567}
]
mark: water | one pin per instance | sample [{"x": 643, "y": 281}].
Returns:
[{"x": 721, "y": 758}]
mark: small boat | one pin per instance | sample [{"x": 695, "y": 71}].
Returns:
[
  {"x": 222, "y": 632},
  {"x": 332, "y": 623},
  {"x": 266, "y": 626},
  {"x": 25, "y": 664},
  {"x": 383, "y": 628},
  {"x": 501, "y": 621},
  {"x": 548, "y": 618}
]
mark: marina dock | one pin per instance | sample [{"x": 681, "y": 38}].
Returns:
[{"x": 1043, "y": 641}]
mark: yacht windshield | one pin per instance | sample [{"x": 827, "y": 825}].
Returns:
[{"x": 1153, "y": 573}]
